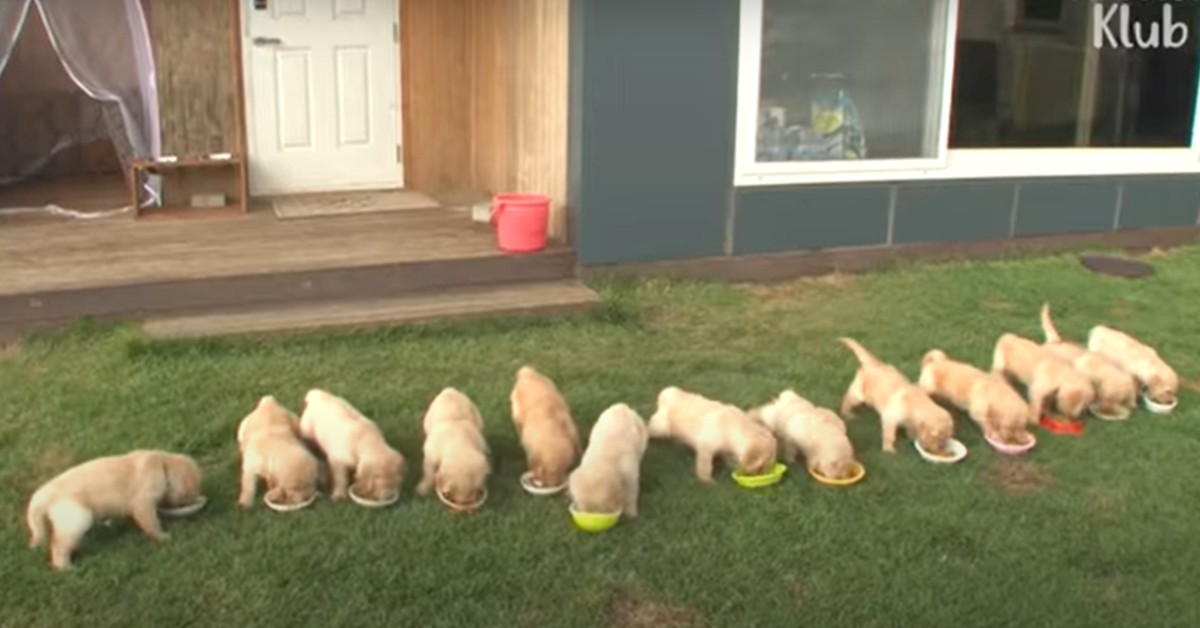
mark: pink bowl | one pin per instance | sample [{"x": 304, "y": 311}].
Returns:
[{"x": 1012, "y": 450}]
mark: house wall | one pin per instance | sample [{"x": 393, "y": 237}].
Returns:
[
  {"x": 653, "y": 103},
  {"x": 197, "y": 69},
  {"x": 486, "y": 97}
]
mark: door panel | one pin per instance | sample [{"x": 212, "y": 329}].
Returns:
[{"x": 323, "y": 95}]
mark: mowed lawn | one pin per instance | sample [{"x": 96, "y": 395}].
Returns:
[{"x": 1101, "y": 530}]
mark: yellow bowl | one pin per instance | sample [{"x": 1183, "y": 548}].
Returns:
[
  {"x": 594, "y": 521},
  {"x": 769, "y": 478},
  {"x": 859, "y": 473}
]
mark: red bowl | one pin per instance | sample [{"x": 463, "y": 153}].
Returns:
[{"x": 1058, "y": 425}]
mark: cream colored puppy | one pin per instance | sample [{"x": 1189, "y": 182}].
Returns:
[
  {"x": 987, "y": 397},
  {"x": 1159, "y": 380},
  {"x": 456, "y": 453},
  {"x": 817, "y": 433},
  {"x": 352, "y": 444},
  {"x": 898, "y": 403},
  {"x": 712, "y": 428},
  {"x": 608, "y": 477},
  {"x": 269, "y": 441},
  {"x": 1116, "y": 388},
  {"x": 543, "y": 422},
  {"x": 132, "y": 485},
  {"x": 1044, "y": 374}
]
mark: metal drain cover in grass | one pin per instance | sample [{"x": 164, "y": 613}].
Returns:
[{"x": 1116, "y": 266}]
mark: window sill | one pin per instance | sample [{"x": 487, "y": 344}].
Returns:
[{"x": 996, "y": 164}]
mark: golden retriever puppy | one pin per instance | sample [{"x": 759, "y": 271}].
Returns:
[
  {"x": 608, "y": 476},
  {"x": 269, "y": 441},
  {"x": 543, "y": 422},
  {"x": 132, "y": 485},
  {"x": 897, "y": 401},
  {"x": 713, "y": 429},
  {"x": 817, "y": 433},
  {"x": 352, "y": 443},
  {"x": 1116, "y": 388},
  {"x": 987, "y": 397},
  {"x": 1160, "y": 381},
  {"x": 1045, "y": 375},
  {"x": 456, "y": 454}
]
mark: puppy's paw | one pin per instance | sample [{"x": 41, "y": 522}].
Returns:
[
  {"x": 632, "y": 513},
  {"x": 889, "y": 449},
  {"x": 338, "y": 496}
]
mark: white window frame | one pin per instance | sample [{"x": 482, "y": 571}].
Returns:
[{"x": 960, "y": 163}]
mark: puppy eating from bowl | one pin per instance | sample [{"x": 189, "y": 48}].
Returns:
[
  {"x": 991, "y": 402},
  {"x": 133, "y": 485},
  {"x": 608, "y": 476},
  {"x": 1047, "y": 376},
  {"x": 898, "y": 402},
  {"x": 1116, "y": 388},
  {"x": 1159, "y": 381},
  {"x": 353, "y": 445},
  {"x": 543, "y": 422},
  {"x": 802, "y": 428},
  {"x": 271, "y": 449},
  {"x": 456, "y": 455},
  {"x": 713, "y": 429}
]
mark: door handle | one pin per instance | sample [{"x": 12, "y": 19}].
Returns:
[{"x": 267, "y": 41}]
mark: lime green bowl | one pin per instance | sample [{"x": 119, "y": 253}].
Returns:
[
  {"x": 594, "y": 521},
  {"x": 770, "y": 478}
]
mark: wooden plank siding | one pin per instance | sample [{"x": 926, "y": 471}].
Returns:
[
  {"x": 197, "y": 70},
  {"x": 486, "y": 97}
]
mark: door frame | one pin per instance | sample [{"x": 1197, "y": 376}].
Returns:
[{"x": 243, "y": 51}]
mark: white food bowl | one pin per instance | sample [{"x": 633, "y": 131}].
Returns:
[
  {"x": 958, "y": 451},
  {"x": 533, "y": 487},
  {"x": 1121, "y": 415},
  {"x": 463, "y": 509},
  {"x": 369, "y": 503},
  {"x": 185, "y": 511},
  {"x": 289, "y": 507},
  {"x": 1158, "y": 408}
]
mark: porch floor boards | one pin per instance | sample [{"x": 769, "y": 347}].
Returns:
[
  {"x": 557, "y": 297},
  {"x": 61, "y": 255},
  {"x": 255, "y": 273}
]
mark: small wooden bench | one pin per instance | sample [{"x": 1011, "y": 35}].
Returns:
[{"x": 179, "y": 169}]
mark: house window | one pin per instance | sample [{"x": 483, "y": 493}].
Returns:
[
  {"x": 849, "y": 82},
  {"x": 1040, "y": 82},
  {"x": 874, "y": 90}
]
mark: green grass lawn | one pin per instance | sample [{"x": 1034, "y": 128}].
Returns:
[{"x": 1094, "y": 531}]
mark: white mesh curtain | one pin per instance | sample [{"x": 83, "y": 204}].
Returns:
[{"x": 104, "y": 46}]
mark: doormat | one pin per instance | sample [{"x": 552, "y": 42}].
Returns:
[
  {"x": 346, "y": 203},
  {"x": 1116, "y": 266}
]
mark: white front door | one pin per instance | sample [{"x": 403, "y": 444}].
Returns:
[{"x": 323, "y": 94}]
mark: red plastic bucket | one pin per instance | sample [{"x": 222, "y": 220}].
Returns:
[{"x": 520, "y": 221}]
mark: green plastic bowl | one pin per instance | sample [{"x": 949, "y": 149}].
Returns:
[
  {"x": 594, "y": 521},
  {"x": 770, "y": 478}
]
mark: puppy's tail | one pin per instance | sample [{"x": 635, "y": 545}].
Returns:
[
  {"x": 526, "y": 371},
  {"x": 1048, "y": 328},
  {"x": 932, "y": 355},
  {"x": 35, "y": 517},
  {"x": 864, "y": 356}
]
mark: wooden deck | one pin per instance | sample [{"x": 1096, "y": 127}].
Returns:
[
  {"x": 84, "y": 193},
  {"x": 255, "y": 269},
  {"x": 65, "y": 254}
]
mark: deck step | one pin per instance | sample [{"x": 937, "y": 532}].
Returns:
[{"x": 552, "y": 297}]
